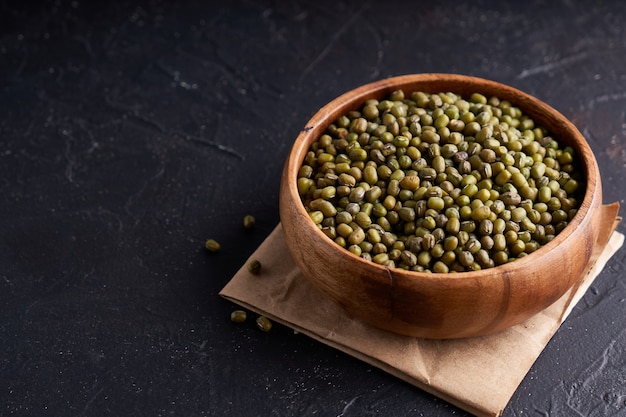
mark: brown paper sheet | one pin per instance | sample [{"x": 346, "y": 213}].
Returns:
[{"x": 478, "y": 374}]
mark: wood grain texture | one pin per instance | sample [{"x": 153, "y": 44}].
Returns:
[{"x": 441, "y": 305}]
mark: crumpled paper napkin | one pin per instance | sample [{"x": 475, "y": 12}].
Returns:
[{"x": 477, "y": 374}]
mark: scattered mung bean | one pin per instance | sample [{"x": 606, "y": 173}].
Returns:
[
  {"x": 263, "y": 324},
  {"x": 212, "y": 245},
  {"x": 254, "y": 266},
  {"x": 249, "y": 221},
  {"x": 238, "y": 316}
]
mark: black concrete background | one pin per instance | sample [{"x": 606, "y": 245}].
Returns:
[{"x": 131, "y": 132}]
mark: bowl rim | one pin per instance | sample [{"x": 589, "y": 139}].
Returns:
[{"x": 530, "y": 105}]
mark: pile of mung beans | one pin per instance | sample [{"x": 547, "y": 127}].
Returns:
[{"x": 439, "y": 183}]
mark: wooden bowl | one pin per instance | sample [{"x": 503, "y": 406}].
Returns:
[{"x": 441, "y": 305}]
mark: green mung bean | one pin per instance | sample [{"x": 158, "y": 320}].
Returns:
[
  {"x": 212, "y": 245},
  {"x": 238, "y": 316},
  {"x": 254, "y": 266},
  {"x": 263, "y": 323},
  {"x": 249, "y": 221}
]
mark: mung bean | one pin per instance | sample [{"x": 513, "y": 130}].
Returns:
[
  {"x": 254, "y": 266},
  {"x": 212, "y": 245},
  {"x": 249, "y": 221},
  {"x": 263, "y": 323},
  {"x": 238, "y": 316}
]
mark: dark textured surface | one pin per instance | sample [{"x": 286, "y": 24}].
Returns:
[{"x": 130, "y": 133}]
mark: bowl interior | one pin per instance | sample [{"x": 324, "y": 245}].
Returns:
[{"x": 543, "y": 114}]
